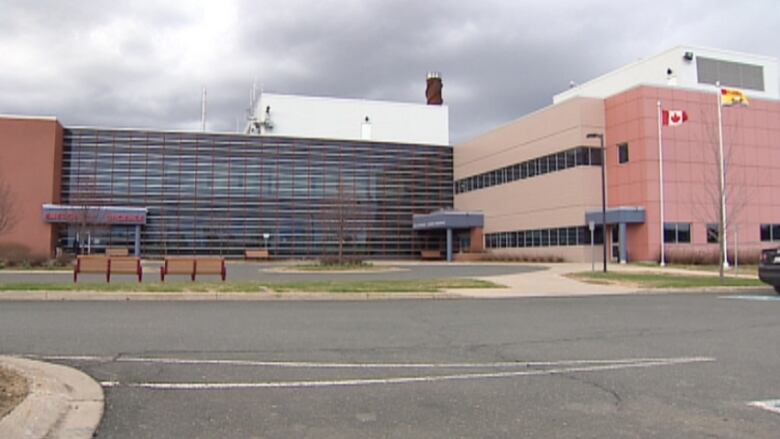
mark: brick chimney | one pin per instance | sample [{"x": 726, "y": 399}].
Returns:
[{"x": 433, "y": 89}]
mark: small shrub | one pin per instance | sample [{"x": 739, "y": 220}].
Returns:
[{"x": 14, "y": 253}]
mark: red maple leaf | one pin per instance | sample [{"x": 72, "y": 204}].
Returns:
[{"x": 676, "y": 117}]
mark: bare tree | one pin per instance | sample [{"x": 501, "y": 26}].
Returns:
[
  {"x": 739, "y": 189},
  {"x": 343, "y": 218},
  {"x": 8, "y": 208}
]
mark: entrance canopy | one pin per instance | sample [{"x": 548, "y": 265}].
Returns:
[
  {"x": 109, "y": 215},
  {"x": 618, "y": 215},
  {"x": 448, "y": 219}
]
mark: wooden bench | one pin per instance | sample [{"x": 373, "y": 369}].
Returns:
[
  {"x": 100, "y": 264},
  {"x": 430, "y": 254},
  {"x": 256, "y": 254},
  {"x": 193, "y": 267},
  {"x": 117, "y": 251}
]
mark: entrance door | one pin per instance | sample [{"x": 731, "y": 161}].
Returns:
[{"x": 615, "y": 243}]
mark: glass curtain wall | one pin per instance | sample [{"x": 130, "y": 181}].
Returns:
[{"x": 222, "y": 193}]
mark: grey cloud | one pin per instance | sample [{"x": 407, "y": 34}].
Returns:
[{"x": 499, "y": 59}]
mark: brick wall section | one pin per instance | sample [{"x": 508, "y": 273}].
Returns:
[
  {"x": 31, "y": 162},
  {"x": 752, "y": 145}
]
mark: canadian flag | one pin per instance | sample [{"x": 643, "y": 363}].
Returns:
[{"x": 674, "y": 118}]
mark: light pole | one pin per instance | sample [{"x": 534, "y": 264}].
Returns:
[{"x": 600, "y": 136}]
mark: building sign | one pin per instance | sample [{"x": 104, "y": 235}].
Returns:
[
  {"x": 60, "y": 214},
  {"x": 442, "y": 220}
]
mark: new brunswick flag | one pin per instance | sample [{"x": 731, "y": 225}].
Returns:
[{"x": 730, "y": 97}]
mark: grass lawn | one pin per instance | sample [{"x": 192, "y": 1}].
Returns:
[
  {"x": 660, "y": 280},
  {"x": 376, "y": 286},
  {"x": 320, "y": 268},
  {"x": 743, "y": 269}
]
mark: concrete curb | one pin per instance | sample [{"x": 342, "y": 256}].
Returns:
[
  {"x": 63, "y": 402},
  {"x": 134, "y": 296}
]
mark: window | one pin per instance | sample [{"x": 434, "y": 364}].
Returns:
[
  {"x": 712, "y": 234},
  {"x": 623, "y": 153},
  {"x": 677, "y": 233},
  {"x": 543, "y": 162},
  {"x": 595, "y": 156},
  {"x": 583, "y": 156},
  {"x": 770, "y": 232},
  {"x": 532, "y": 168}
]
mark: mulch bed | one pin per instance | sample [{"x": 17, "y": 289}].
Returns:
[{"x": 13, "y": 389}]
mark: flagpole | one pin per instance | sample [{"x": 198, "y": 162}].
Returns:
[
  {"x": 661, "y": 181},
  {"x": 722, "y": 181}
]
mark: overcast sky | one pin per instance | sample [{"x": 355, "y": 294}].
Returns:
[{"x": 143, "y": 63}]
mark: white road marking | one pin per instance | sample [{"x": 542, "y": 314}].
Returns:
[
  {"x": 752, "y": 297},
  {"x": 772, "y": 405},
  {"x": 405, "y": 380},
  {"x": 324, "y": 365}
]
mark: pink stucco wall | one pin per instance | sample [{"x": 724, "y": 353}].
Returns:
[{"x": 752, "y": 149}]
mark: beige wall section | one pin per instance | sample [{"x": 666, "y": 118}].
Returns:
[
  {"x": 546, "y": 131},
  {"x": 557, "y": 199},
  {"x": 31, "y": 163}
]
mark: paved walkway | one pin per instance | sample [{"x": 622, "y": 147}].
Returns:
[
  {"x": 551, "y": 281},
  {"x": 62, "y": 402}
]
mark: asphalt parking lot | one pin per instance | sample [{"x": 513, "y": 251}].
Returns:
[{"x": 684, "y": 365}]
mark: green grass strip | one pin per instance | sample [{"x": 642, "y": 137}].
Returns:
[
  {"x": 374, "y": 286},
  {"x": 661, "y": 280}
]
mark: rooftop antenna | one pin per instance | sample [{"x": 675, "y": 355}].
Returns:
[{"x": 203, "y": 111}]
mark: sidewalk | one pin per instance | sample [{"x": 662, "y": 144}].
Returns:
[
  {"x": 62, "y": 402},
  {"x": 552, "y": 282}
]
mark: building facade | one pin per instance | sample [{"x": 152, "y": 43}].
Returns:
[
  {"x": 535, "y": 202},
  {"x": 209, "y": 193}
]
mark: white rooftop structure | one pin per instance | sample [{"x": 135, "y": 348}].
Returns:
[
  {"x": 687, "y": 67},
  {"x": 349, "y": 119}
]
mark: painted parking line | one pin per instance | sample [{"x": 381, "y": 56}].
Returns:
[
  {"x": 333, "y": 365},
  {"x": 772, "y": 405},
  {"x": 759, "y": 298},
  {"x": 401, "y": 380}
]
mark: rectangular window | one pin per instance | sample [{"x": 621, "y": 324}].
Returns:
[
  {"x": 521, "y": 239},
  {"x": 595, "y": 156},
  {"x": 775, "y": 232},
  {"x": 670, "y": 233},
  {"x": 561, "y": 159},
  {"x": 677, "y": 233},
  {"x": 683, "y": 233},
  {"x": 766, "y": 232},
  {"x": 572, "y": 235},
  {"x": 623, "y": 153},
  {"x": 583, "y": 156},
  {"x": 553, "y": 237},
  {"x": 543, "y": 165},
  {"x": 524, "y": 170},
  {"x": 712, "y": 234},
  {"x": 532, "y": 168},
  {"x": 571, "y": 158}
]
